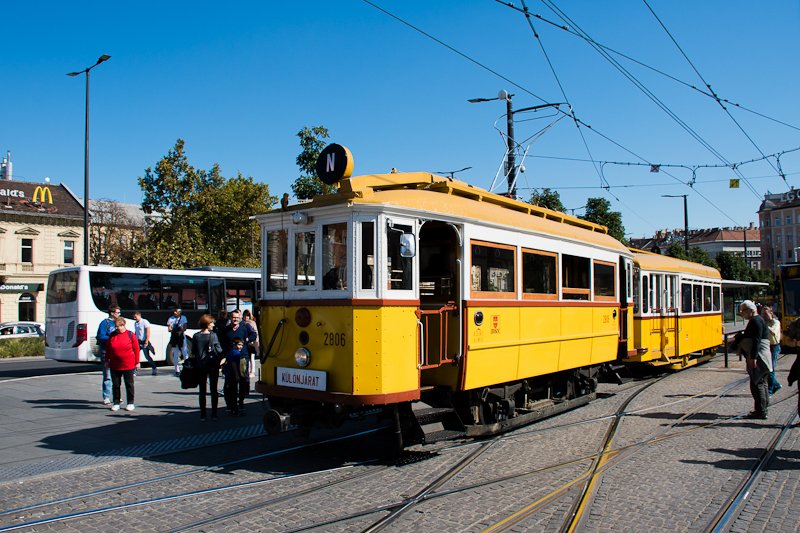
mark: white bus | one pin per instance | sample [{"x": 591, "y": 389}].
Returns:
[{"x": 78, "y": 299}]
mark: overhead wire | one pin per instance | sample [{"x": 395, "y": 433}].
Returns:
[
  {"x": 539, "y": 98},
  {"x": 647, "y": 92},
  {"x": 711, "y": 90}
]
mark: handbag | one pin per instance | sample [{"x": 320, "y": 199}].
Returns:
[{"x": 190, "y": 375}]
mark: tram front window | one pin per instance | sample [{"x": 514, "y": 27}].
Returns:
[
  {"x": 334, "y": 256},
  {"x": 399, "y": 267},
  {"x": 791, "y": 297}
]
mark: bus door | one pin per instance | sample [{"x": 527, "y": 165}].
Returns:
[{"x": 440, "y": 301}]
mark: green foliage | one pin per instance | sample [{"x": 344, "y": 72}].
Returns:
[
  {"x": 547, "y": 198},
  {"x": 733, "y": 266},
  {"x": 698, "y": 255},
  {"x": 197, "y": 217},
  {"x": 308, "y": 185},
  {"x": 598, "y": 210},
  {"x": 677, "y": 250},
  {"x": 24, "y": 347}
]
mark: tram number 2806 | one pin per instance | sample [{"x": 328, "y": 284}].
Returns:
[{"x": 334, "y": 339}]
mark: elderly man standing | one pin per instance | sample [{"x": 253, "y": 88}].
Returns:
[{"x": 753, "y": 343}]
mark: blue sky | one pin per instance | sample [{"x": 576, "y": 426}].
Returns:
[{"x": 237, "y": 80}]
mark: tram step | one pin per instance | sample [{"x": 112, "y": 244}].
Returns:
[
  {"x": 445, "y": 434},
  {"x": 432, "y": 414}
]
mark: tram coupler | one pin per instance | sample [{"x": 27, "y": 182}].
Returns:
[{"x": 275, "y": 422}]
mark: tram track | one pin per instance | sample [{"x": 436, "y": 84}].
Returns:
[{"x": 392, "y": 511}]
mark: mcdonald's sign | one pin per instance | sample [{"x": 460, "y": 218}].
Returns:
[{"x": 40, "y": 193}]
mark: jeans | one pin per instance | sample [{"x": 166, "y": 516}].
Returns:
[
  {"x": 106, "y": 385},
  {"x": 116, "y": 378},
  {"x": 176, "y": 351},
  {"x": 145, "y": 348},
  {"x": 209, "y": 376},
  {"x": 773, "y": 382}
]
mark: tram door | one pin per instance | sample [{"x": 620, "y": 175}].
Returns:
[
  {"x": 668, "y": 315},
  {"x": 440, "y": 301}
]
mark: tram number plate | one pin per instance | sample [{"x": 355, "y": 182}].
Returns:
[{"x": 302, "y": 379}]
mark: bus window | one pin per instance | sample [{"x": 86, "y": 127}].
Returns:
[
  {"x": 277, "y": 266},
  {"x": 62, "y": 287},
  {"x": 334, "y": 256}
]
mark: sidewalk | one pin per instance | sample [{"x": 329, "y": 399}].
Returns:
[{"x": 50, "y": 423}]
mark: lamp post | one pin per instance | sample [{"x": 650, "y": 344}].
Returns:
[
  {"x": 86, "y": 238},
  {"x": 511, "y": 164},
  {"x": 685, "y": 219}
]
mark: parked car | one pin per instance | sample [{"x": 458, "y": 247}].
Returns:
[{"x": 17, "y": 330}]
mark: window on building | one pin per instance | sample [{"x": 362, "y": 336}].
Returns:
[
  {"x": 788, "y": 220},
  {"x": 27, "y": 251},
  {"x": 777, "y": 254},
  {"x": 539, "y": 275},
  {"x": 69, "y": 252},
  {"x": 777, "y": 221},
  {"x": 493, "y": 270}
]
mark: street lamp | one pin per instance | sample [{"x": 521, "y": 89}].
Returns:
[
  {"x": 86, "y": 239},
  {"x": 685, "y": 219},
  {"x": 511, "y": 166}
]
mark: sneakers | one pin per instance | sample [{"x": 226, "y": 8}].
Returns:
[
  {"x": 130, "y": 407},
  {"x": 106, "y": 401},
  {"x": 115, "y": 407}
]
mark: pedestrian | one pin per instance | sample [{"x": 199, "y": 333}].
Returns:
[
  {"x": 753, "y": 344},
  {"x": 122, "y": 358},
  {"x": 774, "y": 326},
  {"x": 238, "y": 330},
  {"x": 235, "y": 372},
  {"x": 104, "y": 331},
  {"x": 207, "y": 354},
  {"x": 141, "y": 327},
  {"x": 794, "y": 375},
  {"x": 176, "y": 325},
  {"x": 252, "y": 347}
]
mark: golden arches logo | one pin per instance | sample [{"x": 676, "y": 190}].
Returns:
[{"x": 39, "y": 194}]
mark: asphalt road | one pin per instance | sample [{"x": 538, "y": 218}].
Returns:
[{"x": 23, "y": 367}]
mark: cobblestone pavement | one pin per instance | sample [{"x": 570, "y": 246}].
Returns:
[{"x": 681, "y": 449}]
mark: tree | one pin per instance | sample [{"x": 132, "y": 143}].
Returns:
[
  {"x": 698, "y": 255},
  {"x": 598, "y": 210},
  {"x": 308, "y": 185},
  {"x": 677, "y": 250},
  {"x": 114, "y": 236},
  {"x": 547, "y": 198},
  {"x": 197, "y": 217},
  {"x": 732, "y": 267}
]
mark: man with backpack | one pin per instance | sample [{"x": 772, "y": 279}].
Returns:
[
  {"x": 176, "y": 324},
  {"x": 104, "y": 331}
]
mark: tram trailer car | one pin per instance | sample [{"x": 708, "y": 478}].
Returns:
[
  {"x": 447, "y": 309},
  {"x": 789, "y": 283},
  {"x": 677, "y": 311}
]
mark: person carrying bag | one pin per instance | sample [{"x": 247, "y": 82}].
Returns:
[{"x": 205, "y": 358}]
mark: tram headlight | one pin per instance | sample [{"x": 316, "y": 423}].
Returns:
[{"x": 302, "y": 357}]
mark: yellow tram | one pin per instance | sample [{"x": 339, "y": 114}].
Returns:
[
  {"x": 677, "y": 311},
  {"x": 447, "y": 308}
]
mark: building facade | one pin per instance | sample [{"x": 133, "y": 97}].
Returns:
[
  {"x": 779, "y": 220},
  {"x": 741, "y": 241},
  {"x": 41, "y": 228}
]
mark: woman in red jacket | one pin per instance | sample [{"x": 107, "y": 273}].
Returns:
[{"x": 122, "y": 357}]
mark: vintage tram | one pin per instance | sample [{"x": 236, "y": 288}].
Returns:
[{"x": 446, "y": 308}]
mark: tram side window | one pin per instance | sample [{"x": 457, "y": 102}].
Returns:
[
  {"x": 367, "y": 255},
  {"x": 604, "y": 276},
  {"x": 493, "y": 270},
  {"x": 715, "y": 299},
  {"x": 645, "y": 294},
  {"x": 539, "y": 275},
  {"x": 277, "y": 265},
  {"x": 575, "y": 277},
  {"x": 706, "y": 298},
  {"x": 636, "y": 291},
  {"x": 334, "y": 256},
  {"x": 686, "y": 298},
  {"x": 304, "y": 259},
  {"x": 697, "y": 298},
  {"x": 400, "y": 269}
]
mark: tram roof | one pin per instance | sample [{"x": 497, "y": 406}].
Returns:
[
  {"x": 429, "y": 192},
  {"x": 653, "y": 261}
]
